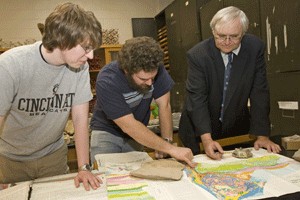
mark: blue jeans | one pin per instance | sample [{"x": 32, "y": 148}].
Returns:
[{"x": 105, "y": 142}]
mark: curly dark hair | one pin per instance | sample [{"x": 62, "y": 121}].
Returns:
[{"x": 140, "y": 53}]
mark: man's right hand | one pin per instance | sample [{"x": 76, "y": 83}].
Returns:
[
  {"x": 183, "y": 154},
  {"x": 212, "y": 148}
]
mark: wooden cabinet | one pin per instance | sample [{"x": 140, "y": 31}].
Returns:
[
  {"x": 183, "y": 32},
  {"x": 103, "y": 55},
  {"x": 281, "y": 32},
  {"x": 284, "y": 100},
  {"x": 111, "y": 52}
]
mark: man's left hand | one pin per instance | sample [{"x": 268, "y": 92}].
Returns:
[
  {"x": 265, "y": 142},
  {"x": 88, "y": 179}
]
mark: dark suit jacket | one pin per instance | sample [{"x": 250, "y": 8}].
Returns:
[{"x": 205, "y": 87}]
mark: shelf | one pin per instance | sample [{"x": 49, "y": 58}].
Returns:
[{"x": 163, "y": 41}]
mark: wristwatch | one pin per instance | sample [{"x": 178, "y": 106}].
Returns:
[{"x": 85, "y": 167}]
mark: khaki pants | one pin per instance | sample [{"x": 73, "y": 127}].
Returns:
[{"x": 12, "y": 171}]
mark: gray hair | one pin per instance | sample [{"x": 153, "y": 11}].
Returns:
[{"x": 229, "y": 14}]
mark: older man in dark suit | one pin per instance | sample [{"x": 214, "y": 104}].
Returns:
[{"x": 226, "y": 71}]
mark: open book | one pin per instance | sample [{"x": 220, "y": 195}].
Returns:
[
  {"x": 56, "y": 187},
  {"x": 19, "y": 191}
]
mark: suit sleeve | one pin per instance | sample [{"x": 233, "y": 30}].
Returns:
[
  {"x": 197, "y": 93},
  {"x": 260, "y": 98}
]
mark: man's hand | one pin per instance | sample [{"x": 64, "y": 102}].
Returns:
[
  {"x": 183, "y": 154},
  {"x": 265, "y": 142},
  {"x": 212, "y": 149},
  {"x": 88, "y": 179}
]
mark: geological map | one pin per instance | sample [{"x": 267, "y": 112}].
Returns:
[{"x": 238, "y": 178}]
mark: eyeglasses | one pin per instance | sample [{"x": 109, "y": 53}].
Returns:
[
  {"x": 232, "y": 38},
  {"x": 87, "y": 49}
]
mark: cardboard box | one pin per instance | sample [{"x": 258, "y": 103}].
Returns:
[{"x": 291, "y": 142}]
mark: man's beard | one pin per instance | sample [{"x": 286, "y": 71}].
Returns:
[{"x": 143, "y": 89}]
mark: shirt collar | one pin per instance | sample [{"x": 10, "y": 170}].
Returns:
[{"x": 235, "y": 51}]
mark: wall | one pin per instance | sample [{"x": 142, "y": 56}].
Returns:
[{"x": 19, "y": 18}]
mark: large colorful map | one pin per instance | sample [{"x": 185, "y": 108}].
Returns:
[
  {"x": 262, "y": 176},
  {"x": 234, "y": 178}
]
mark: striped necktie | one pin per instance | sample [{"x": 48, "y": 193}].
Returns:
[{"x": 226, "y": 81}]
